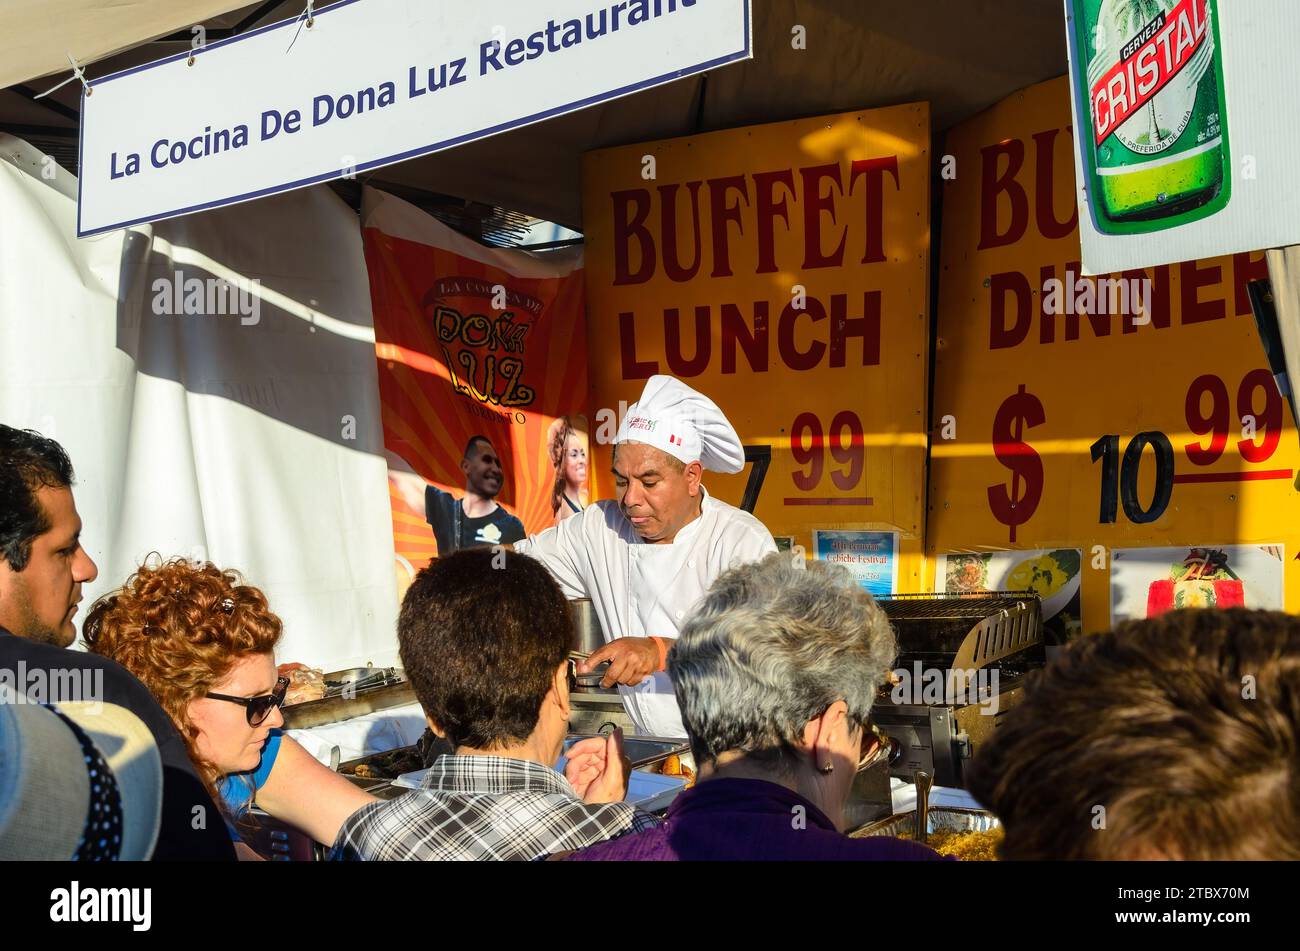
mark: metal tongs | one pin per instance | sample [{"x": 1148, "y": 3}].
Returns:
[
  {"x": 923, "y": 782},
  {"x": 592, "y": 678}
]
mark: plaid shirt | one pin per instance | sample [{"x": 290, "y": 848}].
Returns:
[{"x": 483, "y": 807}]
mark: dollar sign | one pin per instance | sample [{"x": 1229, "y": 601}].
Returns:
[{"x": 1018, "y": 412}]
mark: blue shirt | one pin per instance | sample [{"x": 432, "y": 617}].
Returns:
[{"x": 237, "y": 789}]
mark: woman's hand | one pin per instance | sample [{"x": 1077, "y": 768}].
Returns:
[{"x": 598, "y": 769}]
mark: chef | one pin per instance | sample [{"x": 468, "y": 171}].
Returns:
[{"x": 646, "y": 558}]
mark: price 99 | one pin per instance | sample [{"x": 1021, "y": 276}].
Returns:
[
  {"x": 1218, "y": 421},
  {"x": 809, "y": 445}
]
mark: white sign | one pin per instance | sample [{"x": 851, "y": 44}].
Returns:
[
  {"x": 1186, "y": 144},
  {"x": 370, "y": 83}
]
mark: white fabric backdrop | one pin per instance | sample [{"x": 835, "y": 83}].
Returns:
[{"x": 207, "y": 435}]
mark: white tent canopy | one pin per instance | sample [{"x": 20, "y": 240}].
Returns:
[
  {"x": 40, "y": 35},
  {"x": 960, "y": 55}
]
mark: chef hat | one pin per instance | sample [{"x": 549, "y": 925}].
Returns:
[{"x": 683, "y": 423}]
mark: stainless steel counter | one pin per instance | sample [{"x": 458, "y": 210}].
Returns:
[{"x": 598, "y": 713}]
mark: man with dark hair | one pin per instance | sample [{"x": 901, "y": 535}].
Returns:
[
  {"x": 485, "y": 640},
  {"x": 1175, "y": 737},
  {"x": 477, "y": 519},
  {"x": 42, "y": 569},
  {"x": 42, "y": 563}
]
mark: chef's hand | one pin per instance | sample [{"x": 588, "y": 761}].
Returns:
[
  {"x": 631, "y": 660},
  {"x": 598, "y": 769}
]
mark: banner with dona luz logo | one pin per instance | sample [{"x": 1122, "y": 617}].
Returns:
[
  {"x": 474, "y": 341},
  {"x": 370, "y": 83}
]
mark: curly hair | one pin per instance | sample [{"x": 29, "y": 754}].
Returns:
[
  {"x": 557, "y": 436},
  {"x": 1175, "y": 736},
  {"x": 180, "y": 626}
]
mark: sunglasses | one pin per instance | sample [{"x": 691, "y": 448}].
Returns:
[
  {"x": 258, "y": 708},
  {"x": 876, "y": 746}
]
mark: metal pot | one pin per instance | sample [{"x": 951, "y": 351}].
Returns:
[
  {"x": 587, "y": 632},
  {"x": 591, "y": 682}
]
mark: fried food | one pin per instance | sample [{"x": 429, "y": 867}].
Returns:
[
  {"x": 969, "y": 846},
  {"x": 388, "y": 765},
  {"x": 673, "y": 766}
]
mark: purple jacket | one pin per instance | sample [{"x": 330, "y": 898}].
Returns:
[{"x": 747, "y": 820}]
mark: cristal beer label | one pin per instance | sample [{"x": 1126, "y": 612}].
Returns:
[
  {"x": 1161, "y": 65},
  {"x": 1153, "y": 85}
]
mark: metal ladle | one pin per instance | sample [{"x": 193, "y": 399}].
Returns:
[{"x": 923, "y": 782}]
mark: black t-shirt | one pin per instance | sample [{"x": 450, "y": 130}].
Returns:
[
  {"x": 455, "y": 530},
  {"x": 50, "y": 674}
]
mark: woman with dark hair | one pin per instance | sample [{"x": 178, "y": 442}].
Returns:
[
  {"x": 566, "y": 442},
  {"x": 203, "y": 643},
  {"x": 485, "y": 645}
]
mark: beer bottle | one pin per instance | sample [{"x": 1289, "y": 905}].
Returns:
[{"x": 1150, "y": 84}]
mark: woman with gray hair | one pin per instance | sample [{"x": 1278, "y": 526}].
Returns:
[{"x": 775, "y": 673}]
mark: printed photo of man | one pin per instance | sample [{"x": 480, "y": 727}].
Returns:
[{"x": 476, "y": 519}]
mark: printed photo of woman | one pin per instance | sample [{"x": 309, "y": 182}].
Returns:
[{"x": 567, "y": 443}]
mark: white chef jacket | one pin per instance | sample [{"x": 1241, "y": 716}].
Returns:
[{"x": 643, "y": 590}]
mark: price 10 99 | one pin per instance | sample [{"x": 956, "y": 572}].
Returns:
[{"x": 1014, "y": 503}]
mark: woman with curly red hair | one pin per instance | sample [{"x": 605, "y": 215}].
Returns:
[{"x": 204, "y": 644}]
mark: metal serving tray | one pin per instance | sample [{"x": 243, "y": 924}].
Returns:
[
  {"x": 646, "y": 752},
  {"x": 940, "y": 819},
  {"x": 331, "y": 709}
]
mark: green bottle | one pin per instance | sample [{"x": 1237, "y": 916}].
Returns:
[{"x": 1150, "y": 82}]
